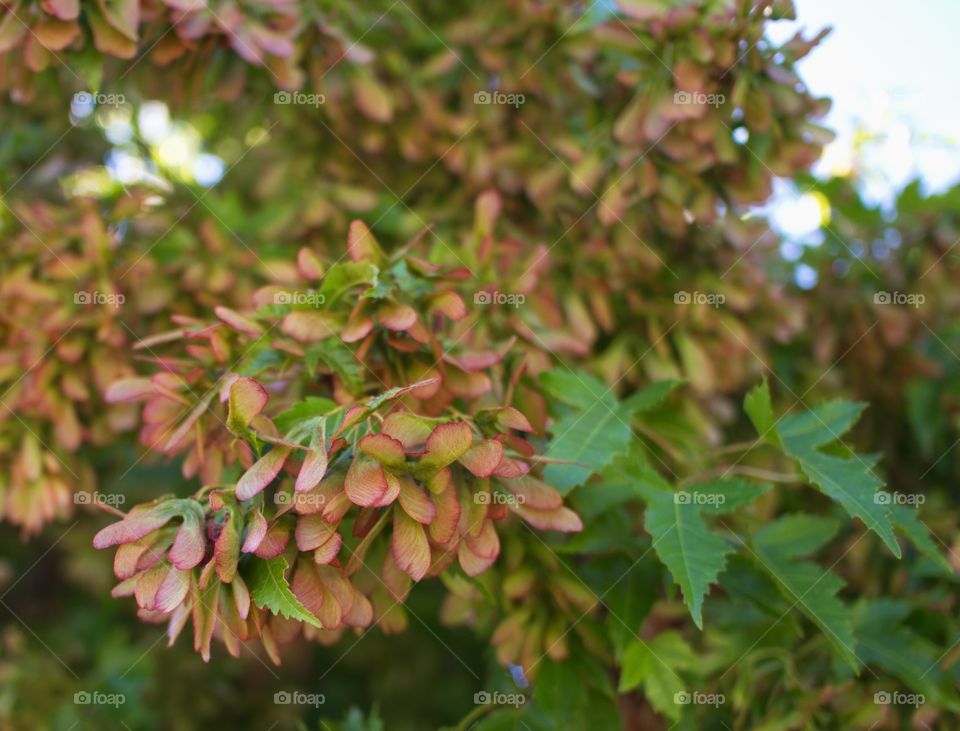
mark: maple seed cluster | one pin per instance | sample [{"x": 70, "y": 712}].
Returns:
[{"x": 342, "y": 500}]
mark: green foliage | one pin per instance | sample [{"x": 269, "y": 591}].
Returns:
[
  {"x": 779, "y": 548},
  {"x": 406, "y": 380},
  {"x": 847, "y": 478},
  {"x": 655, "y": 666},
  {"x": 694, "y": 554},
  {"x": 595, "y": 426},
  {"x": 270, "y": 589}
]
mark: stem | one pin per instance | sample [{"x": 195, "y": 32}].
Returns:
[
  {"x": 756, "y": 472},
  {"x": 548, "y": 460},
  {"x": 279, "y": 442},
  {"x": 110, "y": 509},
  {"x": 159, "y": 339},
  {"x": 661, "y": 442},
  {"x": 459, "y": 414},
  {"x": 745, "y": 446},
  {"x": 357, "y": 555},
  {"x": 198, "y": 495},
  {"x": 476, "y": 713}
]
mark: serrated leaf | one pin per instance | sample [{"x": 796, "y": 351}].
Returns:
[
  {"x": 811, "y": 588},
  {"x": 798, "y": 535},
  {"x": 759, "y": 408},
  {"x": 270, "y": 590},
  {"x": 848, "y": 479},
  {"x": 907, "y": 519},
  {"x": 694, "y": 554},
  {"x": 884, "y": 639},
  {"x": 655, "y": 665},
  {"x": 339, "y": 359},
  {"x": 596, "y": 429}
]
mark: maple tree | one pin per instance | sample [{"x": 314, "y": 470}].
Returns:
[{"x": 479, "y": 335}]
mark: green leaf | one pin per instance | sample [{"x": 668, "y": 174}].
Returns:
[
  {"x": 798, "y": 534},
  {"x": 626, "y": 593},
  {"x": 344, "y": 276},
  {"x": 647, "y": 398},
  {"x": 270, "y": 589},
  {"x": 654, "y": 665},
  {"x": 580, "y": 390},
  {"x": 304, "y": 414},
  {"x": 907, "y": 519},
  {"x": 694, "y": 554},
  {"x": 810, "y": 587},
  {"x": 259, "y": 360},
  {"x": 576, "y": 694},
  {"x": 759, "y": 408},
  {"x": 847, "y": 478},
  {"x": 333, "y": 353},
  {"x": 927, "y": 420},
  {"x": 883, "y": 639},
  {"x": 595, "y": 429},
  {"x": 608, "y": 533},
  {"x": 719, "y": 497},
  {"x": 615, "y": 487},
  {"x": 455, "y": 579}
]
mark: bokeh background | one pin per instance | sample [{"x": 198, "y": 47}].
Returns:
[{"x": 877, "y": 211}]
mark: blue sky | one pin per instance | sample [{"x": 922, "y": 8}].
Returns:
[{"x": 891, "y": 69}]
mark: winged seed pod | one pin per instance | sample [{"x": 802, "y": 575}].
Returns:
[
  {"x": 344, "y": 482},
  {"x": 36, "y": 33},
  {"x": 74, "y": 303}
]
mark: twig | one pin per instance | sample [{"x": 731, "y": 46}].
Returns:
[
  {"x": 110, "y": 509},
  {"x": 756, "y": 472}
]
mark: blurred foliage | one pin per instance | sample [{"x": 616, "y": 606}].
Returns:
[{"x": 566, "y": 200}]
